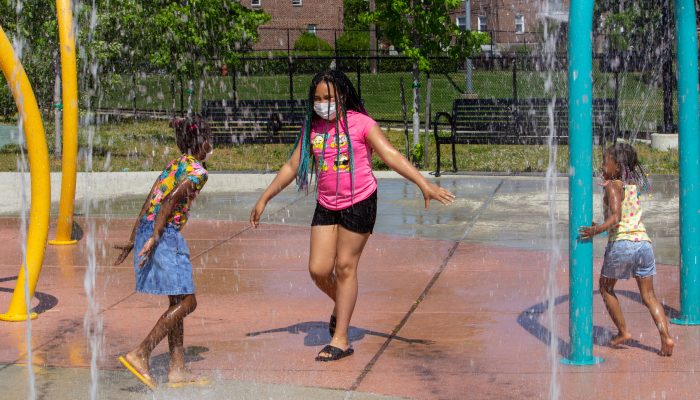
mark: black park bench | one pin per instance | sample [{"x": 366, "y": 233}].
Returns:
[
  {"x": 509, "y": 121},
  {"x": 254, "y": 121}
]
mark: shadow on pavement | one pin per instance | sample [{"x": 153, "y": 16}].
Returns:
[
  {"x": 46, "y": 301},
  {"x": 317, "y": 333},
  {"x": 530, "y": 321}
]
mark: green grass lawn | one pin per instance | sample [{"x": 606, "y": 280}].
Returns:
[
  {"x": 139, "y": 146},
  {"x": 640, "y": 105}
]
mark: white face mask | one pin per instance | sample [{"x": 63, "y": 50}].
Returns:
[{"x": 325, "y": 110}]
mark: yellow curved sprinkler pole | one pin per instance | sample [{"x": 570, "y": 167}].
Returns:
[
  {"x": 38, "y": 154},
  {"x": 69, "y": 79}
]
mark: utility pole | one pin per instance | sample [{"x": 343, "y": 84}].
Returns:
[
  {"x": 467, "y": 27},
  {"x": 667, "y": 66},
  {"x": 372, "y": 42}
]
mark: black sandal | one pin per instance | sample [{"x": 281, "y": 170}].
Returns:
[
  {"x": 331, "y": 325},
  {"x": 335, "y": 353}
]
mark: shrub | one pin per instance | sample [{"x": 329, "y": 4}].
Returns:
[
  {"x": 310, "y": 42},
  {"x": 353, "y": 43}
]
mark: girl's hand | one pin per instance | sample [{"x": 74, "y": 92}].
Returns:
[
  {"x": 587, "y": 232},
  {"x": 435, "y": 192},
  {"x": 146, "y": 251},
  {"x": 126, "y": 249},
  {"x": 256, "y": 213}
]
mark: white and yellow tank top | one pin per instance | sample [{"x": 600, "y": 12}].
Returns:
[{"x": 630, "y": 227}]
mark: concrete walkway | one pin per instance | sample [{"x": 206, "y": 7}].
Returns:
[{"x": 452, "y": 302}]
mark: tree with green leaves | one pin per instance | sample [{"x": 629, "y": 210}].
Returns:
[
  {"x": 420, "y": 29},
  {"x": 632, "y": 25},
  {"x": 639, "y": 37},
  {"x": 352, "y": 15},
  {"x": 185, "y": 39},
  {"x": 37, "y": 26}
]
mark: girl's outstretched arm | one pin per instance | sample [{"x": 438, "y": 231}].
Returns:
[
  {"x": 397, "y": 162},
  {"x": 126, "y": 248},
  {"x": 284, "y": 177},
  {"x": 182, "y": 190},
  {"x": 614, "y": 193}
]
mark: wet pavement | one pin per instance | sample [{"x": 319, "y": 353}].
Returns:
[{"x": 452, "y": 302}]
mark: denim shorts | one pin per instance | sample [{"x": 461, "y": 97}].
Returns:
[
  {"x": 624, "y": 258},
  {"x": 359, "y": 217},
  {"x": 168, "y": 271}
]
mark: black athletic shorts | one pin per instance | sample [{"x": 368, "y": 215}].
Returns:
[{"x": 359, "y": 217}]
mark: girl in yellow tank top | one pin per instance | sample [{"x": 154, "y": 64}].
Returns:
[
  {"x": 629, "y": 250},
  {"x": 630, "y": 226}
]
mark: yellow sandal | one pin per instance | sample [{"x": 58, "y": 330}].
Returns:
[{"x": 144, "y": 378}]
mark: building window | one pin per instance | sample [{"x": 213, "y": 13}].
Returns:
[
  {"x": 296, "y": 2},
  {"x": 519, "y": 24},
  {"x": 461, "y": 23},
  {"x": 311, "y": 29},
  {"x": 255, "y": 3},
  {"x": 482, "y": 23}
]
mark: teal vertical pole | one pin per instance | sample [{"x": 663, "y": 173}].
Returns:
[
  {"x": 580, "y": 183},
  {"x": 689, "y": 154}
]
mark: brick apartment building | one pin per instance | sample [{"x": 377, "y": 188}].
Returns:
[
  {"x": 511, "y": 23},
  {"x": 289, "y": 18}
]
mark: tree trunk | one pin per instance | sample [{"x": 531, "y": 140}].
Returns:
[
  {"x": 190, "y": 92},
  {"x": 174, "y": 96},
  {"x": 200, "y": 94},
  {"x": 57, "y": 109},
  {"x": 416, "y": 104}
]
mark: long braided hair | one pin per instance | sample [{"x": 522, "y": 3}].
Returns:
[
  {"x": 346, "y": 98},
  {"x": 631, "y": 170}
]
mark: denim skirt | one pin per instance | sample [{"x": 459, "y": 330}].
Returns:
[{"x": 168, "y": 270}]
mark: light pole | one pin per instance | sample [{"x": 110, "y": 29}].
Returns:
[{"x": 467, "y": 26}]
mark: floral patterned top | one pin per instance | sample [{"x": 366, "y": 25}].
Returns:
[{"x": 185, "y": 167}]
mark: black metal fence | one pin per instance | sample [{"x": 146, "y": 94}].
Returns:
[
  {"x": 356, "y": 42},
  {"x": 639, "y": 93}
]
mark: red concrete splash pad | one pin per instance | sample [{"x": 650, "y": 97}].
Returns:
[{"x": 480, "y": 331}]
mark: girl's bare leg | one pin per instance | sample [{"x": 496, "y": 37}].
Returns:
[
  {"x": 180, "y": 306},
  {"x": 322, "y": 258},
  {"x": 348, "y": 251},
  {"x": 178, "y": 372},
  {"x": 607, "y": 290},
  {"x": 646, "y": 289}
]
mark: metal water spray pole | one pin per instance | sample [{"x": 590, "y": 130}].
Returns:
[
  {"x": 38, "y": 154},
  {"x": 69, "y": 161},
  {"x": 580, "y": 183},
  {"x": 689, "y": 155}
]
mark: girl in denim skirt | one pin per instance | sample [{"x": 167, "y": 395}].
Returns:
[
  {"x": 161, "y": 257},
  {"x": 629, "y": 251},
  {"x": 336, "y": 144}
]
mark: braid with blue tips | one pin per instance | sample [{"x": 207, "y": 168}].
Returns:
[{"x": 306, "y": 167}]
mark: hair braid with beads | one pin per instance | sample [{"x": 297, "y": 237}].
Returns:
[
  {"x": 191, "y": 133},
  {"x": 627, "y": 162}
]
